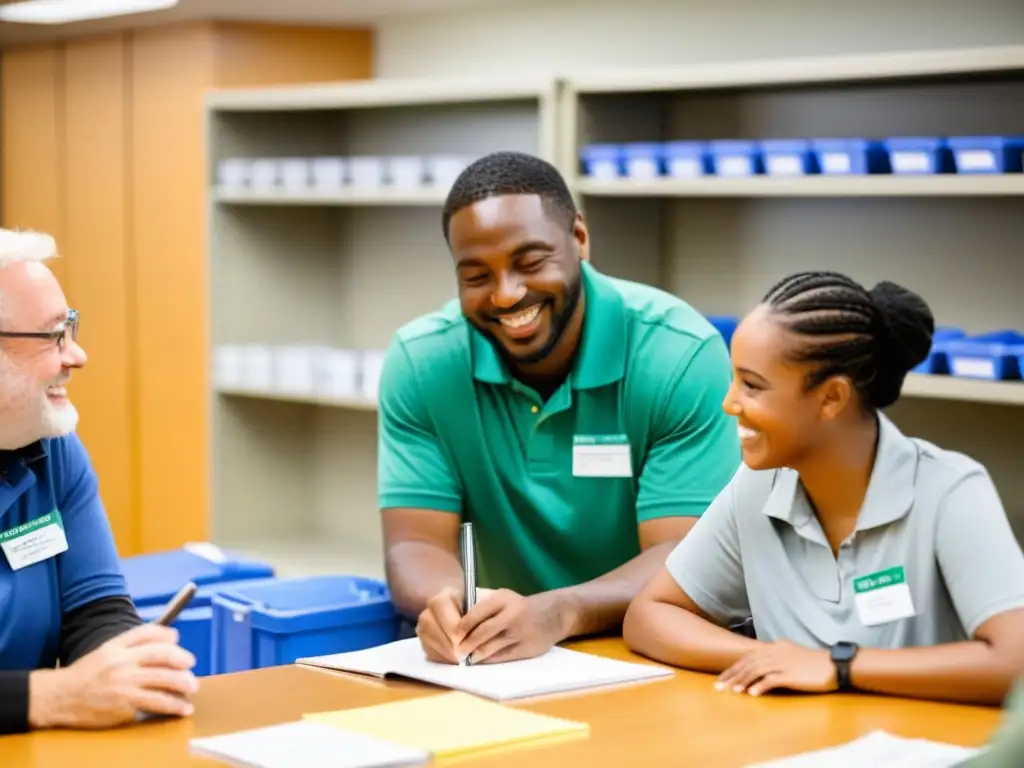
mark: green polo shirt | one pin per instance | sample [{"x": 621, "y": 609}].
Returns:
[{"x": 556, "y": 489}]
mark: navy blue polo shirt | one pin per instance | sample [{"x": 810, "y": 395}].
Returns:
[{"x": 53, "y": 474}]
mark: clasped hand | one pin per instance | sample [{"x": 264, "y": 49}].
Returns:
[
  {"x": 502, "y": 626},
  {"x": 780, "y": 665}
]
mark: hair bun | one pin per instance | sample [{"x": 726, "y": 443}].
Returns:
[{"x": 905, "y": 340}]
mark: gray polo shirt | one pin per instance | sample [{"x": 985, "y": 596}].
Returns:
[{"x": 932, "y": 558}]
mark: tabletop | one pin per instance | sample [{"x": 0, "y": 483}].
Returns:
[{"x": 668, "y": 722}]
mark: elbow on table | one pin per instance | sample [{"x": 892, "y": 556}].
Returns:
[{"x": 634, "y": 624}]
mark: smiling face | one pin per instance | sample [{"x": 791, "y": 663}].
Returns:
[
  {"x": 780, "y": 420},
  {"x": 519, "y": 275}
]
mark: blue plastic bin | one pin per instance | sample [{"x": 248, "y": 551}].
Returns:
[
  {"x": 153, "y": 579},
  {"x": 602, "y": 161},
  {"x": 732, "y": 157},
  {"x": 725, "y": 325},
  {"x": 274, "y": 624},
  {"x": 195, "y": 623},
  {"x": 687, "y": 159},
  {"x": 642, "y": 160},
  {"x": 987, "y": 154},
  {"x": 854, "y": 157},
  {"x": 914, "y": 155},
  {"x": 788, "y": 157},
  {"x": 995, "y": 355},
  {"x": 937, "y": 361}
]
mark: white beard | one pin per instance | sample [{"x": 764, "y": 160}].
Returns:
[{"x": 26, "y": 413}]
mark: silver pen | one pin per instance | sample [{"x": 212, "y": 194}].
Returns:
[{"x": 467, "y": 553}]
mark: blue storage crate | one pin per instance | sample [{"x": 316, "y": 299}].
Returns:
[
  {"x": 642, "y": 160},
  {"x": 987, "y": 154},
  {"x": 912, "y": 155},
  {"x": 937, "y": 361},
  {"x": 732, "y": 157},
  {"x": 274, "y": 624},
  {"x": 995, "y": 355},
  {"x": 602, "y": 161},
  {"x": 195, "y": 623},
  {"x": 687, "y": 159},
  {"x": 854, "y": 157},
  {"x": 153, "y": 579},
  {"x": 725, "y": 325},
  {"x": 788, "y": 157}
]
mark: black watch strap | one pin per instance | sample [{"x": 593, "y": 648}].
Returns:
[{"x": 842, "y": 654}]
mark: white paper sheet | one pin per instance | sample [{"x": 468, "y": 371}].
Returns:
[{"x": 879, "y": 749}]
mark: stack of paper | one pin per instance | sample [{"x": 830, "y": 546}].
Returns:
[
  {"x": 309, "y": 745},
  {"x": 880, "y": 750},
  {"x": 451, "y": 724},
  {"x": 556, "y": 671}
]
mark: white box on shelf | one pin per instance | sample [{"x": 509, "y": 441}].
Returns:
[
  {"x": 233, "y": 173},
  {"x": 258, "y": 367},
  {"x": 229, "y": 366},
  {"x": 406, "y": 172},
  {"x": 366, "y": 171},
  {"x": 337, "y": 373},
  {"x": 444, "y": 169},
  {"x": 294, "y": 174},
  {"x": 293, "y": 368},
  {"x": 372, "y": 361},
  {"x": 328, "y": 173},
  {"x": 264, "y": 174}
]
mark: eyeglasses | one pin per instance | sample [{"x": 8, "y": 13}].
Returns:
[{"x": 59, "y": 335}]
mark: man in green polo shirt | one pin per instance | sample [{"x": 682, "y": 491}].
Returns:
[{"x": 573, "y": 418}]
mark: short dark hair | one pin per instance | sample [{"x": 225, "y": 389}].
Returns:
[
  {"x": 874, "y": 337},
  {"x": 510, "y": 173}
]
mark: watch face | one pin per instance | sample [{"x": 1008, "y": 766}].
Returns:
[{"x": 844, "y": 651}]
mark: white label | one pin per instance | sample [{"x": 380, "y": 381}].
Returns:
[
  {"x": 735, "y": 165},
  {"x": 785, "y": 165},
  {"x": 883, "y": 605},
  {"x": 207, "y": 551},
  {"x": 601, "y": 456},
  {"x": 976, "y": 160},
  {"x": 910, "y": 162},
  {"x": 642, "y": 168},
  {"x": 604, "y": 169},
  {"x": 34, "y": 542},
  {"x": 973, "y": 367},
  {"x": 835, "y": 162},
  {"x": 685, "y": 167}
]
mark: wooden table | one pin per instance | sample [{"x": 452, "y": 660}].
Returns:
[{"x": 679, "y": 721}]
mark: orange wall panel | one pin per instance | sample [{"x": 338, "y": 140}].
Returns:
[{"x": 98, "y": 266}]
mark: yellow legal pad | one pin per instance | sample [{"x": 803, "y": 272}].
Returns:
[{"x": 452, "y": 724}]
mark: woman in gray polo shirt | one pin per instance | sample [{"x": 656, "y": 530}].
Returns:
[{"x": 866, "y": 559}]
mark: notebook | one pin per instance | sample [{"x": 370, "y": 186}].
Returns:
[
  {"x": 452, "y": 724},
  {"x": 879, "y": 749},
  {"x": 556, "y": 671},
  {"x": 307, "y": 744}
]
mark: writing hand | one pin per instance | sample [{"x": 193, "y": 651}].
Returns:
[
  {"x": 437, "y": 626},
  {"x": 780, "y": 665},
  {"x": 505, "y": 626}
]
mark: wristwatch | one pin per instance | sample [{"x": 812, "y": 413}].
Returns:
[{"x": 842, "y": 654}]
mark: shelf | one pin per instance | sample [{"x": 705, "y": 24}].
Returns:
[
  {"x": 434, "y": 196},
  {"x": 349, "y": 403},
  {"x": 970, "y": 390},
  {"x": 950, "y": 185}
]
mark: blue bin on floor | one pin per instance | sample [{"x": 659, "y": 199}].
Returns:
[
  {"x": 736, "y": 157},
  {"x": 997, "y": 355},
  {"x": 987, "y": 154},
  {"x": 642, "y": 160},
  {"x": 602, "y": 161},
  {"x": 725, "y": 325},
  {"x": 788, "y": 157},
  {"x": 153, "y": 579},
  {"x": 916, "y": 155},
  {"x": 937, "y": 361},
  {"x": 195, "y": 623},
  {"x": 274, "y": 624},
  {"x": 850, "y": 157},
  {"x": 687, "y": 159}
]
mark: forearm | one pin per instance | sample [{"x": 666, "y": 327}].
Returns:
[
  {"x": 969, "y": 672},
  {"x": 88, "y": 627},
  {"x": 675, "y": 636},
  {"x": 417, "y": 571},
  {"x": 600, "y": 604}
]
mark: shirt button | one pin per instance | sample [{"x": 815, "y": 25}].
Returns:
[{"x": 534, "y": 409}]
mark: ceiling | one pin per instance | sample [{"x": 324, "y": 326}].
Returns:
[{"x": 359, "y": 12}]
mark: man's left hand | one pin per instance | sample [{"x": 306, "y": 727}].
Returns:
[
  {"x": 505, "y": 626},
  {"x": 780, "y": 665}
]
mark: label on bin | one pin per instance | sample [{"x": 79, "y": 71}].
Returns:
[
  {"x": 735, "y": 165},
  {"x": 973, "y": 367},
  {"x": 976, "y": 160},
  {"x": 910, "y": 162},
  {"x": 835, "y": 162},
  {"x": 785, "y": 165},
  {"x": 603, "y": 170},
  {"x": 642, "y": 168},
  {"x": 685, "y": 168}
]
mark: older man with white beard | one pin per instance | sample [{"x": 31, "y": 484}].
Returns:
[{"x": 63, "y": 598}]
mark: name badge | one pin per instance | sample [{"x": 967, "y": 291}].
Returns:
[
  {"x": 601, "y": 456},
  {"x": 34, "y": 541},
  {"x": 882, "y": 597}
]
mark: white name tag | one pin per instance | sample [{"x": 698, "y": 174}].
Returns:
[
  {"x": 34, "y": 541},
  {"x": 883, "y": 597},
  {"x": 601, "y": 456}
]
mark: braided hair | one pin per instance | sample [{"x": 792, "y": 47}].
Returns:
[{"x": 872, "y": 337}]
